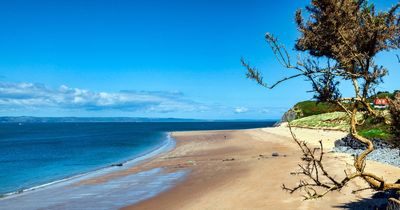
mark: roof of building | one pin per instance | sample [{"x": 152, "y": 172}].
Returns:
[{"x": 381, "y": 101}]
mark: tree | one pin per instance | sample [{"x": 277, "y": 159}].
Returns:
[{"x": 347, "y": 35}]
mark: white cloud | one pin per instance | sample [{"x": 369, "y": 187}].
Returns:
[
  {"x": 239, "y": 110},
  {"x": 265, "y": 111},
  {"x": 29, "y": 95}
]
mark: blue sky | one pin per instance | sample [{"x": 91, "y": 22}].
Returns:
[{"x": 142, "y": 58}]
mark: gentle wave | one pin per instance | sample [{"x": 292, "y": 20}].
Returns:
[{"x": 167, "y": 145}]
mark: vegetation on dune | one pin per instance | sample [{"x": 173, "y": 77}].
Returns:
[
  {"x": 377, "y": 127},
  {"x": 308, "y": 108},
  {"x": 385, "y": 127},
  {"x": 347, "y": 35},
  {"x": 333, "y": 120},
  {"x": 340, "y": 121},
  {"x": 380, "y": 133}
]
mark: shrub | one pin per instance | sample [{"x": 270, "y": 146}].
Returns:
[
  {"x": 395, "y": 114},
  {"x": 308, "y": 108}
]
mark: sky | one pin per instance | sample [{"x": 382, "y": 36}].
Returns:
[{"x": 150, "y": 58}]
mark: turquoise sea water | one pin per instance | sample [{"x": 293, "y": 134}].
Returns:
[{"x": 34, "y": 154}]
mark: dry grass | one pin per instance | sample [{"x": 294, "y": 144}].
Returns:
[{"x": 333, "y": 120}]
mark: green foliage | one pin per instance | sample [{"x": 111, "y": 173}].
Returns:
[
  {"x": 309, "y": 108},
  {"x": 384, "y": 94},
  {"x": 376, "y": 133},
  {"x": 376, "y": 127}
]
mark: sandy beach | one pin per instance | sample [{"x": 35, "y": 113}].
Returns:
[
  {"x": 236, "y": 170},
  {"x": 226, "y": 169}
]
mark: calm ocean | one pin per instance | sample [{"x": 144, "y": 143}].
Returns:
[{"x": 33, "y": 154}]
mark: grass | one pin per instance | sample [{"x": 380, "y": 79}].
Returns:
[
  {"x": 372, "y": 128},
  {"x": 309, "y": 108},
  {"x": 333, "y": 120},
  {"x": 311, "y": 114},
  {"x": 375, "y": 133},
  {"x": 377, "y": 128}
]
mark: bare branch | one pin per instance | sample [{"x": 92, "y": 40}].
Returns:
[{"x": 349, "y": 34}]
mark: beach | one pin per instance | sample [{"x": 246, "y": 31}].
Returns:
[
  {"x": 236, "y": 170},
  {"x": 227, "y": 169}
]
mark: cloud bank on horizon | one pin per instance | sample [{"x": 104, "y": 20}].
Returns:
[
  {"x": 25, "y": 95},
  {"x": 239, "y": 110},
  {"x": 38, "y": 98}
]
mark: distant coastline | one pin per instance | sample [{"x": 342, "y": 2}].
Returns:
[{"x": 32, "y": 119}]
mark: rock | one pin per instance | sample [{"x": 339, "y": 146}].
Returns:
[
  {"x": 229, "y": 159},
  {"x": 117, "y": 164},
  {"x": 349, "y": 141},
  {"x": 179, "y": 166},
  {"x": 289, "y": 116},
  {"x": 262, "y": 157},
  {"x": 393, "y": 205},
  {"x": 384, "y": 152},
  {"x": 340, "y": 143},
  {"x": 275, "y": 154}
]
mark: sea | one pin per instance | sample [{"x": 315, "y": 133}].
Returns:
[{"x": 33, "y": 155}]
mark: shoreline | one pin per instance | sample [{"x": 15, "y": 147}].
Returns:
[
  {"x": 204, "y": 168},
  {"x": 56, "y": 164},
  {"x": 167, "y": 145}
]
